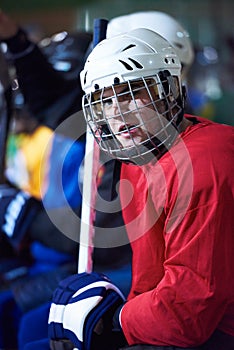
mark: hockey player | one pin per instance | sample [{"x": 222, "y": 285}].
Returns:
[{"x": 176, "y": 189}]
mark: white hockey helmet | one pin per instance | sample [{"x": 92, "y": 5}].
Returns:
[
  {"x": 135, "y": 61},
  {"x": 161, "y": 23}
]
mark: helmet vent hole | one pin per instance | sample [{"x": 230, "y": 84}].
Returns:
[
  {"x": 180, "y": 46},
  {"x": 128, "y": 47},
  {"x": 137, "y": 64},
  {"x": 85, "y": 76},
  {"x": 126, "y": 65},
  {"x": 166, "y": 60}
]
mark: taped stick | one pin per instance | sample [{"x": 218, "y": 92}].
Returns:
[{"x": 91, "y": 164}]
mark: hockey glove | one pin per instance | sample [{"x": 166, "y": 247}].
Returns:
[
  {"x": 81, "y": 312},
  {"x": 17, "y": 210}
]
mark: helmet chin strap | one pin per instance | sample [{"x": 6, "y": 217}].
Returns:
[
  {"x": 184, "y": 96},
  {"x": 168, "y": 85},
  {"x": 181, "y": 102}
]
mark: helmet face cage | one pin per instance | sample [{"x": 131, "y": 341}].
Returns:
[{"x": 151, "y": 104}]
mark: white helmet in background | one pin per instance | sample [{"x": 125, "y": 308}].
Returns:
[
  {"x": 140, "y": 61},
  {"x": 163, "y": 24}
]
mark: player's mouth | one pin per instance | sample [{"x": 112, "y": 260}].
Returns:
[{"x": 127, "y": 129}]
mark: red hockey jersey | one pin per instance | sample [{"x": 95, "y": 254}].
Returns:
[{"x": 179, "y": 214}]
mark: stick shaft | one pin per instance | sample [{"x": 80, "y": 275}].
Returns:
[{"x": 91, "y": 162}]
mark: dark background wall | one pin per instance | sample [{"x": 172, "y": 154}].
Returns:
[{"x": 209, "y": 22}]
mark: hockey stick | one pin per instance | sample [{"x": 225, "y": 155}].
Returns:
[
  {"x": 5, "y": 105},
  {"x": 85, "y": 263}
]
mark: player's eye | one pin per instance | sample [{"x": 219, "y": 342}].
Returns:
[
  {"x": 137, "y": 89},
  {"x": 107, "y": 102}
]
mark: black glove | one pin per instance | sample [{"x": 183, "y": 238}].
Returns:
[
  {"x": 82, "y": 311},
  {"x": 106, "y": 335},
  {"x": 17, "y": 210}
]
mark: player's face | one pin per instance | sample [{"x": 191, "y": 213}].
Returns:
[{"x": 133, "y": 113}]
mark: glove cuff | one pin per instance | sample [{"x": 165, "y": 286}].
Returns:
[{"x": 116, "y": 319}]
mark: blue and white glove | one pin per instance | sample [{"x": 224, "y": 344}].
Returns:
[{"x": 81, "y": 312}]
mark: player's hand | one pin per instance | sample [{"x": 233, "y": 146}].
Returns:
[
  {"x": 8, "y": 27},
  {"x": 82, "y": 310}
]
